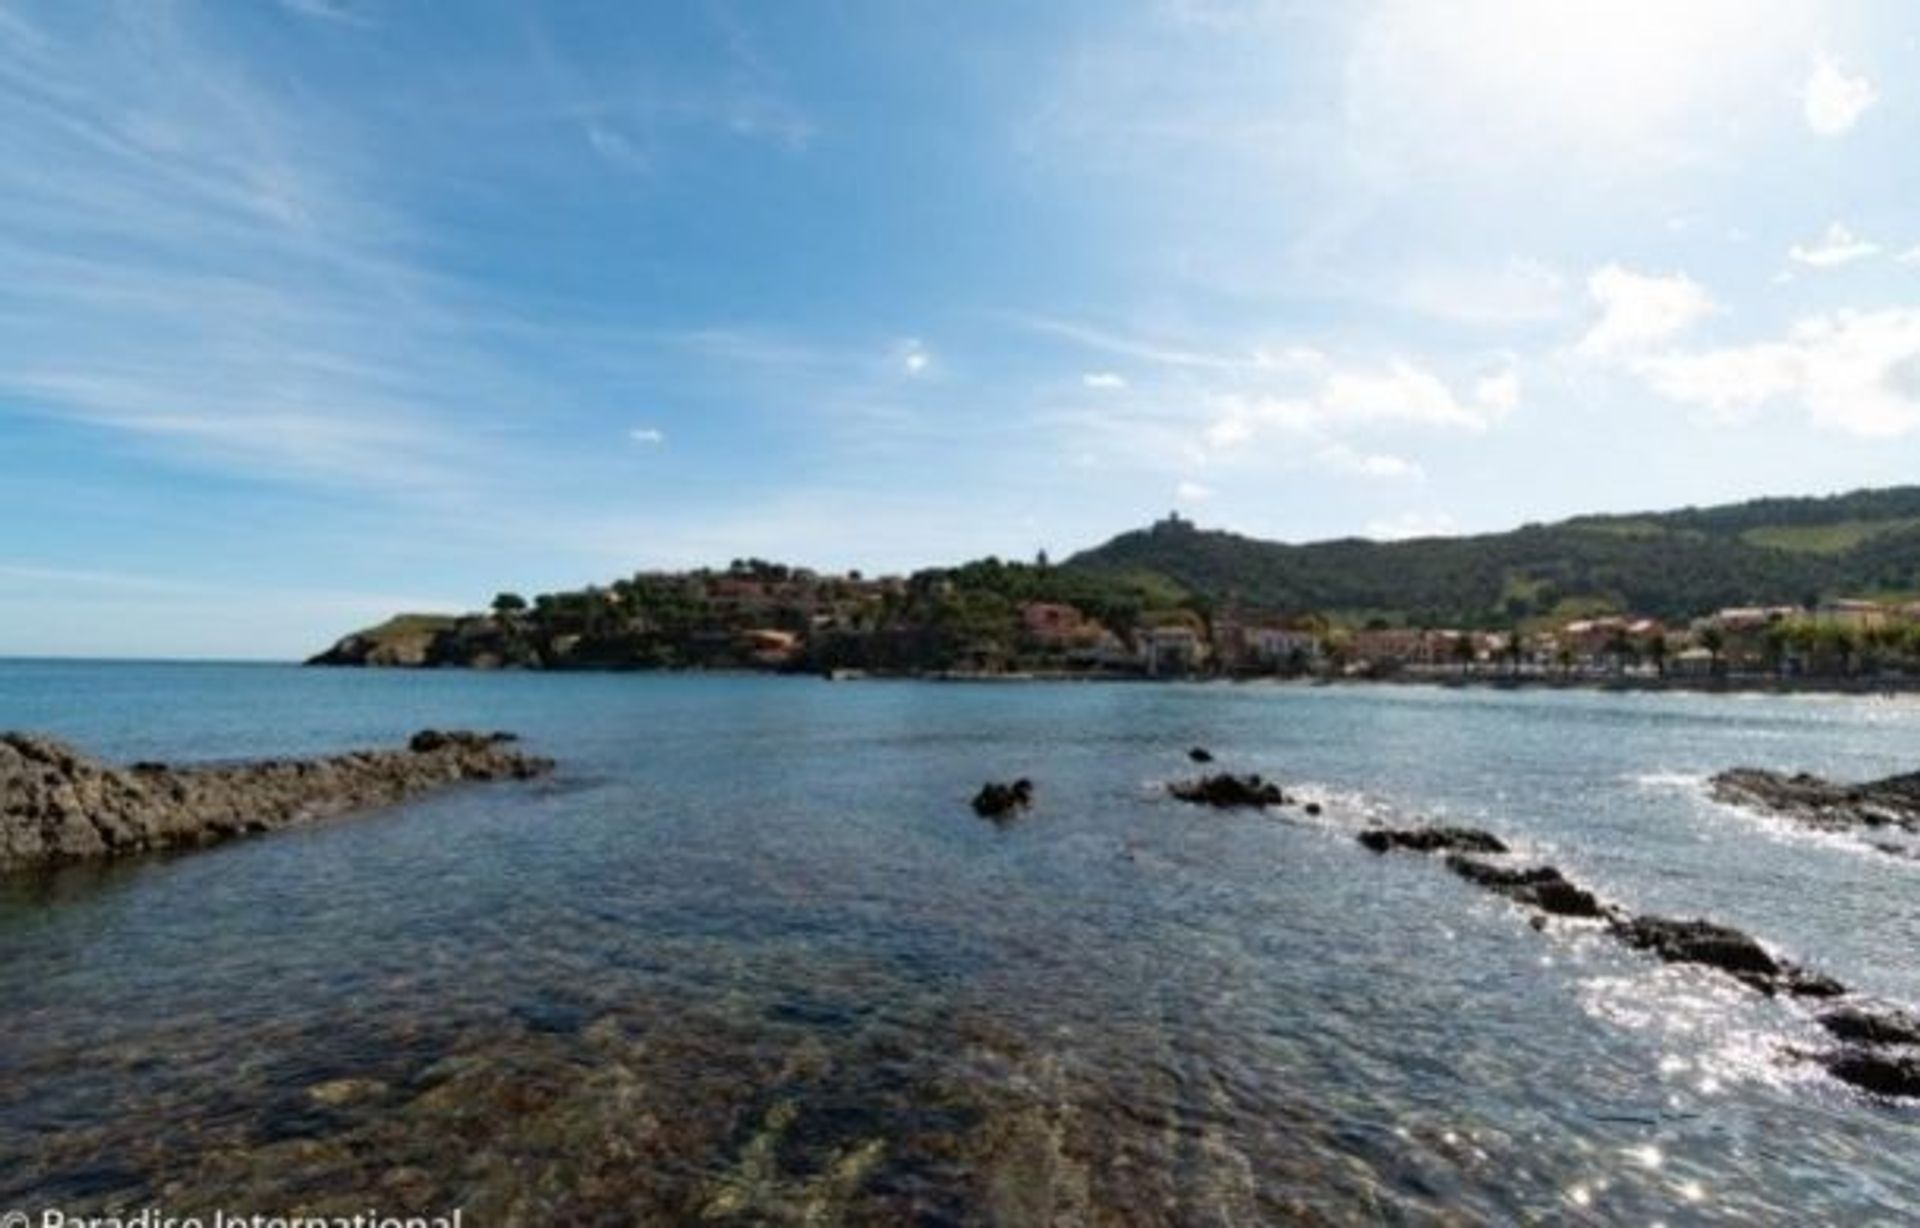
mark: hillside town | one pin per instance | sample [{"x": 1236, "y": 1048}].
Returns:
[{"x": 995, "y": 619}]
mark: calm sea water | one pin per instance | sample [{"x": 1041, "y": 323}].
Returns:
[{"x": 749, "y": 956}]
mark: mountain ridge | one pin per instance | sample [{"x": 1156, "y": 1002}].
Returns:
[{"x": 1672, "y": 564}]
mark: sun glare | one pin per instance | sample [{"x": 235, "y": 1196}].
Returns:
[{"x": 1574, "y": 70}]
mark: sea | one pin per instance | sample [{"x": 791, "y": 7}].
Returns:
[{"x": 748, "y": 956}]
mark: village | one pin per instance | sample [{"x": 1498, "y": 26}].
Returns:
[{"x": 982, "y": 621}]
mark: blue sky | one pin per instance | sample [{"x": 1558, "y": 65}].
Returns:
[{"x": 315, "y": 309}]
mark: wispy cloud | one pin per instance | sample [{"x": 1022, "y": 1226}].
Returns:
[
  {"x": 192, "y": 264},
  {"x": 340, "y": 12},
  {"x": 1836, "y": 246},
  {"x": 1343, "y": 458}
]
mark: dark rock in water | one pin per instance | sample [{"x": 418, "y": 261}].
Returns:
[
  {"x": 1313, "y": 808},
  {"x": 1872, "y": 1026},
  {"x": 1000, "y": 801},
  {"x": 1884, "y": 1074},
  {"x": 1804, "y": 983},
  {"x": 1200, "y": 754},
  {"x": 57, "y": 805},
  {"x": 1823, "y": 804},
  {"x": 1703, "y": 942},
  {"x": 1432, "y": 840},
  {"x": 1542, "y": 887},
  {"x": 1227, "y": 791},
  {"x": 427, "y": 741},
  {"x": 1501, "y": 878}
]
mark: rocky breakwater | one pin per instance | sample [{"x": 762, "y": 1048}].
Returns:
[
  {"x": 58, "y": 805},
  {"x": 1880, "y": 808}
]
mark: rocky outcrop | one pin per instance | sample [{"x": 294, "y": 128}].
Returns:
[
  {"x": 1881, "y": 1051},
  {"x": 1229, "y": 792},
  {"x": 1001, "y": 802},
  {"x": 1733, "y": 952},
  {"x": 58, "y": 805},
  {"x": 1541, "y": 887},
  {"x": 1872, "y": 1025},
  {"x": 1825, "y": 805},
  {"x": 1882, "y": 1073},
  {"x": 1882, "y": 1054},
  {"x": 1431, "y": 840},
  {"x": 468, "y": 641}
]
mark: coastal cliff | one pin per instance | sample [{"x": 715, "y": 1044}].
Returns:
[{"x": 58, "y": 805}]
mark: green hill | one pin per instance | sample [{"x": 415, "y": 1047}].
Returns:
[{"x": 1673, "y": 564}]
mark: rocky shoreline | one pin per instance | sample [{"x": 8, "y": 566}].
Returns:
[
  {"x": 1879, "y": 1043},
  {"x": 58, "y": 805},
  {"x": 1877, "y": 808}
]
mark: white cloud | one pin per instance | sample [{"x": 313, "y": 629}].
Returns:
[
  {"x": 1910, "y": 256},
  {"x": 1413, "y": 524},
  {"x": 914, "y": 356},
  {"x": 1836, "y": 246},
  {"x": 1192, "y": 492},
  {"x": 1342, "y": 458},
  {"x": 1834, "y": 101},
  {"x": 1401, "y": 393},
  {"x": 1104, "y": 380},
  {"x": 1639, "y": 309},
  {"x": 649, "y": 435},
  {"x": 1728, "y": 383},
  {"x": 1857, "y": 372},
  {"x": 1408, "y": 393}
]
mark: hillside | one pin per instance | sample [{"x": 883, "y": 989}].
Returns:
[{"x": 1674, "y": 564}]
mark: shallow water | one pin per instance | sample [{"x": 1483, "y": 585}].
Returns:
[{"x": 749, "y": 956}]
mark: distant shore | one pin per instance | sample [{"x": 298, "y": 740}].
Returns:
[{"x": 1729, "y": 684}]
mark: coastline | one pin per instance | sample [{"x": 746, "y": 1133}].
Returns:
[{"x": 1742, "y": 683}]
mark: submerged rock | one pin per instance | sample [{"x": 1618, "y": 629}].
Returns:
[
  {"x": 57, "y": 805},
  {"x": 1200, "y": 754},
  {"x": 1000, "y": 801},
  {"x": 1228, "y": 791},
  {"x": 1871, "y": 1026},
  {"x": 1823, "y": 804},
  {"x": 1432, "y": 840},
  {"x": 1542, "y": 887}
]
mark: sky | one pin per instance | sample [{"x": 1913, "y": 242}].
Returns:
[{"x": 313, "y": 310}]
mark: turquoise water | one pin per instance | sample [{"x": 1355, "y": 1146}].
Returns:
[{"x": 749, "y": 956}]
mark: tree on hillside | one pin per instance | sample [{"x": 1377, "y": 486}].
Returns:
[{"x": 509, "y": 603}]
